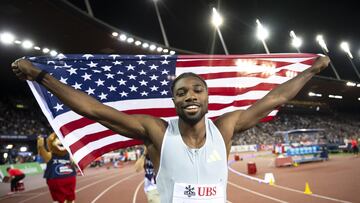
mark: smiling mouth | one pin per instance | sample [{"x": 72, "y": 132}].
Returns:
[{"x": 192, "y": 108}]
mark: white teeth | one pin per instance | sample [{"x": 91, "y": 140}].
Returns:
[{"x": 192, "y": 107}]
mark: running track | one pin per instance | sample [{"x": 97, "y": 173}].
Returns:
[{"x": 337, "y": 180}]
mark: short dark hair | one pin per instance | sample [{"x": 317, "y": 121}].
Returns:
[
  {"x": 186, "y": 75},
  {"x": 8, "y": 168}
]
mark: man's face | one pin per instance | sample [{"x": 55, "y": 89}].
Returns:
[{"x": 190, "y": 99}]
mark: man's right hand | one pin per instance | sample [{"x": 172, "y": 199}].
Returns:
[{"x": 24, "y": 69}]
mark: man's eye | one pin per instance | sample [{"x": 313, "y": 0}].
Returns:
[
  {"x": 180, "y": 94},
  {"x": 198, "y": 90}
]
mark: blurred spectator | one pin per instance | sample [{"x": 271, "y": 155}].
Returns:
[{"x": 15, "y": 176}]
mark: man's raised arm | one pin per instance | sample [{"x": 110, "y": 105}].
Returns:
[
  {"x": 130, "y": 125},
  {"x": 241, "y": 120}
]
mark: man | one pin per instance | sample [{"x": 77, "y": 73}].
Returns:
[
  {"x": 190, "y": 152},
  {"x": 15, "y": 176}
]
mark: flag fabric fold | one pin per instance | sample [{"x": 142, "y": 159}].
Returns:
[{"x": 140, "y": 84}]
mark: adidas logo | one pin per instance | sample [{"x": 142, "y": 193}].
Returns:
[{"x": 214, "y": 156}]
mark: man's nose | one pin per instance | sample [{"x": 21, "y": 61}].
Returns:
[{"x": 191, "y": 96}]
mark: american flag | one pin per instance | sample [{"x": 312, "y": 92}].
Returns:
[{"x": 140, "y": 84}]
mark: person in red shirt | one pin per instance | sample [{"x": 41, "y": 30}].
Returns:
[
  {"x": 354, "y": 146},
  {"x": 15, "y": 176}
]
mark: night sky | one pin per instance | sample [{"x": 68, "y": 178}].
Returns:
[{"x": 187, "y": 25}]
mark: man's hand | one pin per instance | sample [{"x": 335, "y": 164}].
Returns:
[
  {"x": 24, "y": 69},
  {"x": 321, "y": 63}
]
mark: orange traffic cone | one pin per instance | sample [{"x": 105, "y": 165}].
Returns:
[{"x": 307, "y": 189}]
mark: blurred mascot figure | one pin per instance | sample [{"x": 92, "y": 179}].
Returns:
[{"x": 60, "y": 173}]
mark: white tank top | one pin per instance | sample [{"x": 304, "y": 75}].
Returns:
[{"x": 192, "y": 175}]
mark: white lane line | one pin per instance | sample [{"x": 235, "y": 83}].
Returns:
[
  {"x": 113, "y": 185},
  {"x": 43, "y": 193},
  {"x": 83, "y": 188},
  {"x": 315, "y": 195},
  {"x": 256, "y": 193},
  {"x": 137, "y": 190},
  {"x": 282, "y": 187},
  {"x": 94, "y": 176}
]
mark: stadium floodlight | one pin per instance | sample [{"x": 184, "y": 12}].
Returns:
[
  {"x": 130, "y": 40},
  {"x": 137, "y": 43},
  {"x": 27, "y": 44},
  {"x": 17, "y": 42},
  {"x": 161, "y": 23},
  {"x": 262, "y": 34},
  {"x": 296, "y": 41},
  {"x": 37, "y": 48},
  {"x": 122, "y": 37},
  {"x": 5, "y": 155},
  {"x": 322, "y": 43},
  {"x": 172, "y": 52},
  {"x": 45, "y": 50},
  {"x": 53, "y": 53},
  {"x": 159, "y": 49},
  {"x": 23, "y": 149},
  {"x": 165, "y": 50},
  {"x": 217, "y": 20},
  {"x": 7, "y": 38},
  {"x": 152, "y": 47},
  {"x": 145, "y": 45},
  {"x": 115, "y": 34},
  {"x": 346, "y": 48},
  {"x": 351, "y": 84}
]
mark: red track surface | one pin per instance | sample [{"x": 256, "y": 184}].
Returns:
[{"x": 336, "y": 180}]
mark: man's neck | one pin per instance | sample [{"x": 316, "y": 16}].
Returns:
[{"x": 193, "y": 135}]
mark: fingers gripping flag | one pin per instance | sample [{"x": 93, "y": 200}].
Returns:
[{"x": 140, "y": 84}]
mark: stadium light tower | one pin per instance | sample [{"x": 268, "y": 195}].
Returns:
[
  {"x": 321, "y": 41},
  {"x": 346, "y": 48},
  {"x": 217, "y": 21},
  {"x": 88, "y": 8},
  {"x": 296, "y": 41},
  {"x": 262, "y": 34},
  {"x": 161, "y": 23}
]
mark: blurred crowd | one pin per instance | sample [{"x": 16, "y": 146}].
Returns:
[
  {"x": 20, "y": 119},
  {"x": 338, "y": 127}
]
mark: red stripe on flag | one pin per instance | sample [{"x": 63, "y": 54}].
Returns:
[
  {"x": 90, "y": 138},
  {"x": 108, "y": 148},
  {"x": 82, "y": 122}
]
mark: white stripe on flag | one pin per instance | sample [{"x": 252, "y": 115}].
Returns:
[{"x": 244, "y": 82}]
